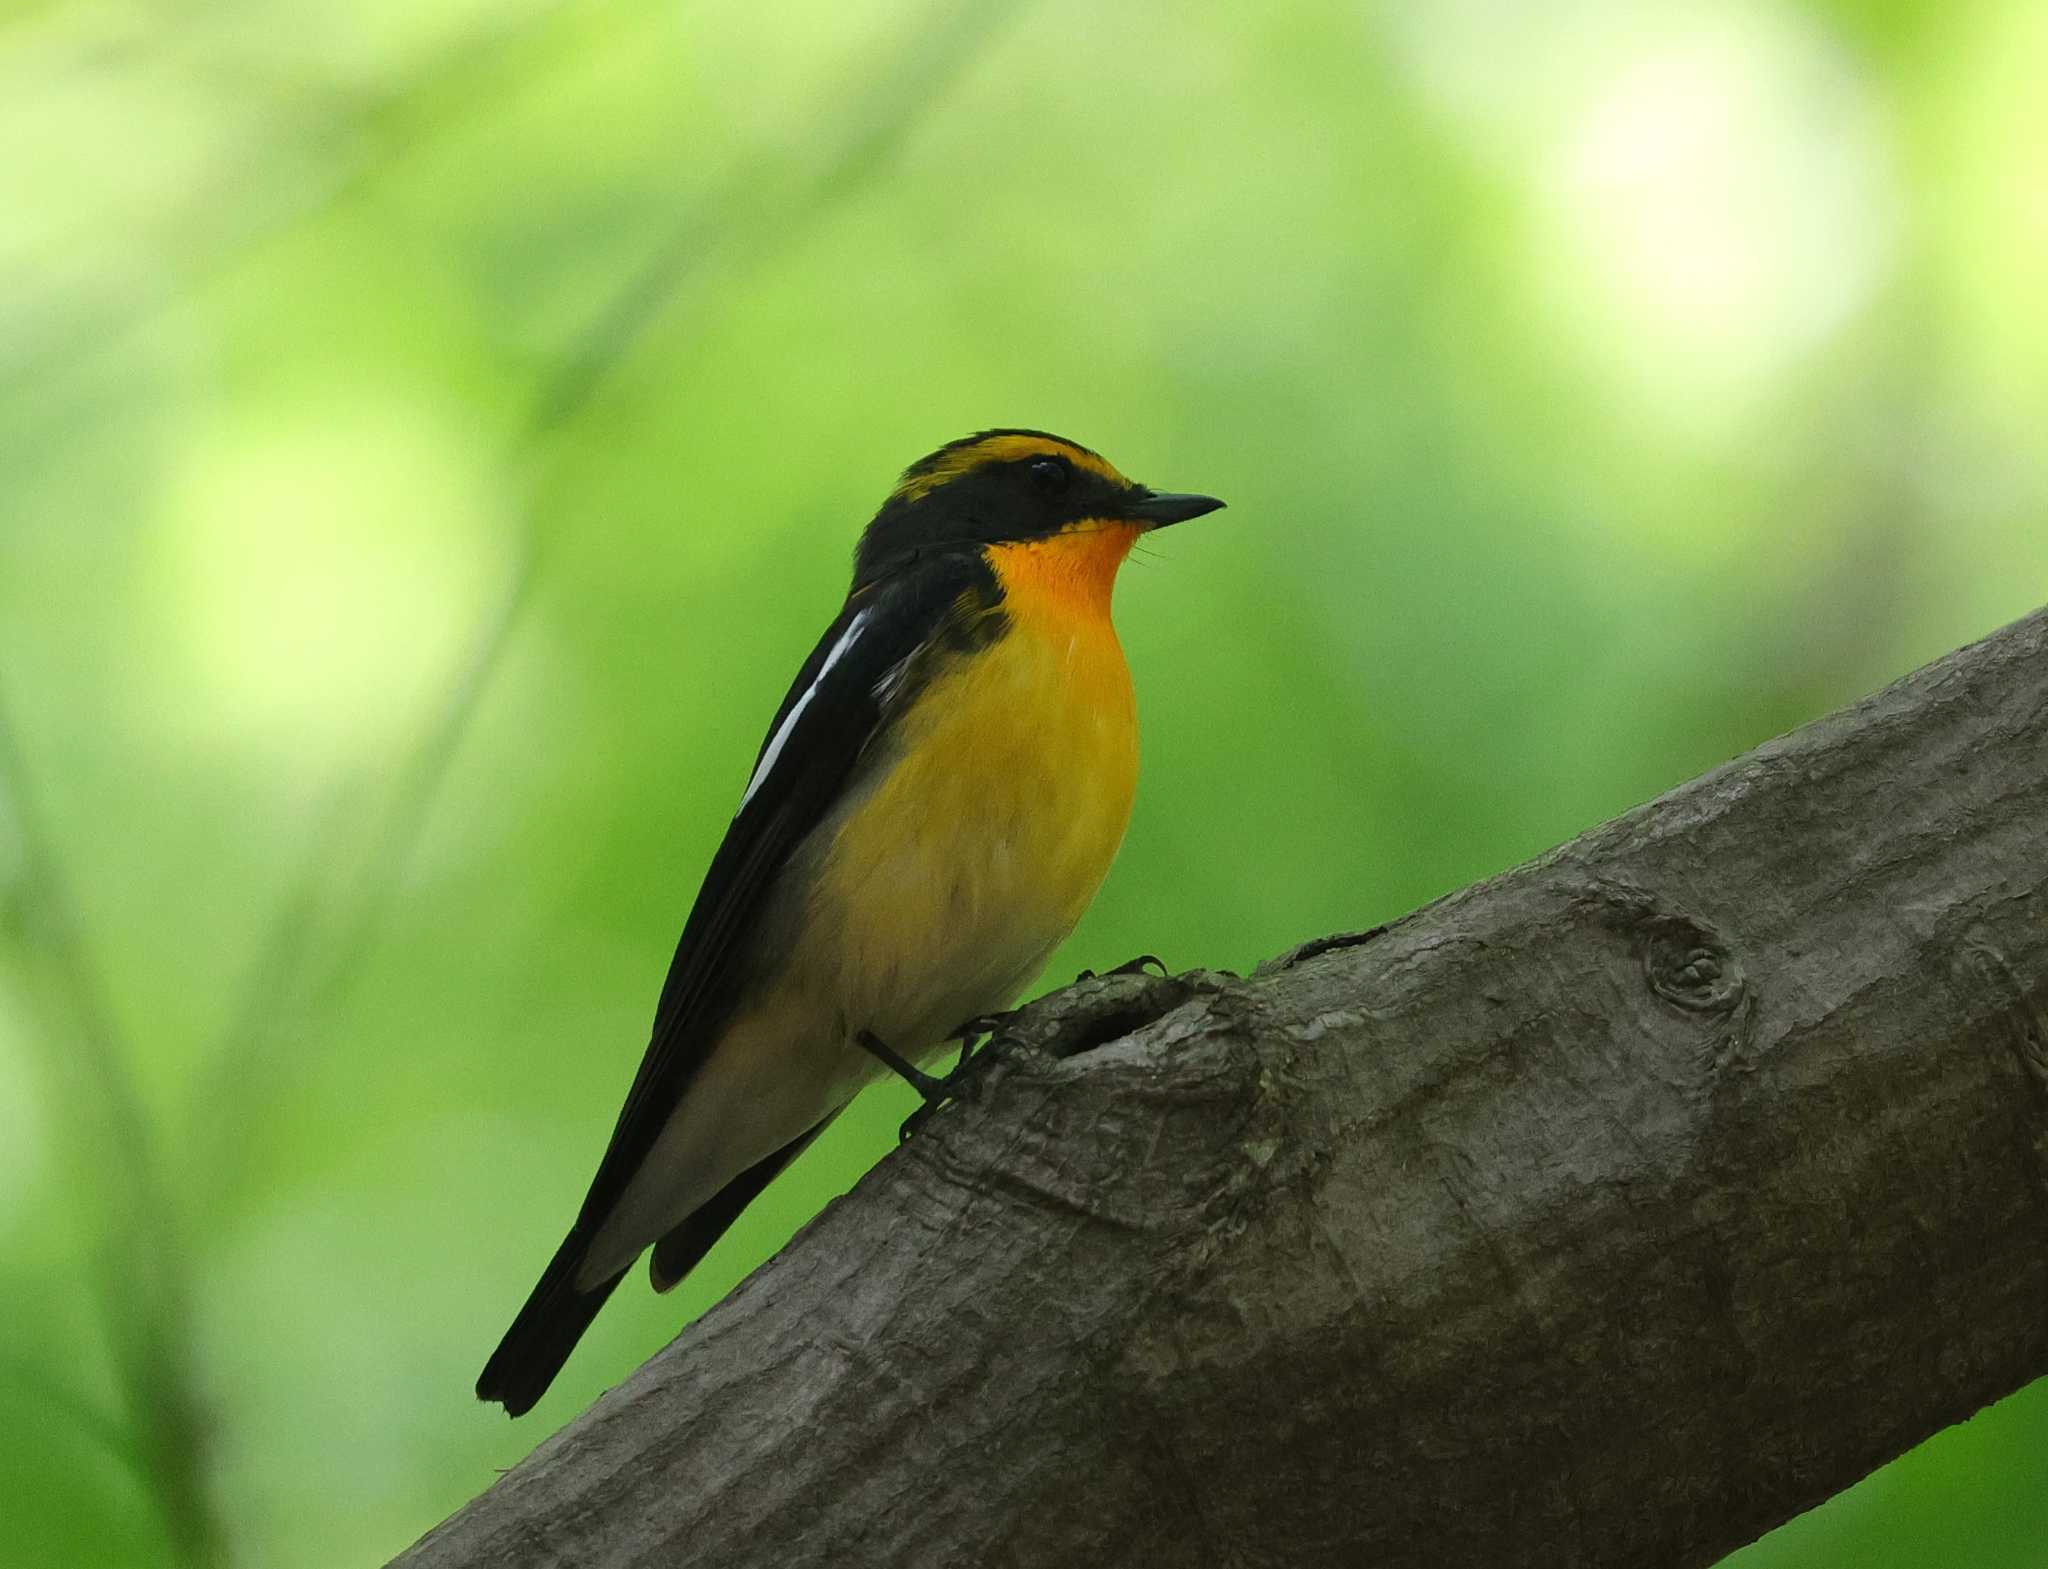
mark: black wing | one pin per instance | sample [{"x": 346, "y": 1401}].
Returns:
[
  {"x": 865, "y": 670},
  {"x": 840, "y": 701}
]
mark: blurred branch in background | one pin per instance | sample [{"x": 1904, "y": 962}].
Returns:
[
  {"x": 322, "y": 930},
  {"x": 142, "y": 1274},
  {"x": 103, "y": 1428},
  {"x": 327, "y": 919},
  {"x": 249, "y": 205}
]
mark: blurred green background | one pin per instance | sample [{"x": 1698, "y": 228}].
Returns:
[{"x": 432, "y": 433}]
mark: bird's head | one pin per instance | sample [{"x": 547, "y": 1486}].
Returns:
[{"x": 1012, "y": 487}]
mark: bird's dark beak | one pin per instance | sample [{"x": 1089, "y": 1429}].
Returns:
[{"x": 1160, "y": 508}]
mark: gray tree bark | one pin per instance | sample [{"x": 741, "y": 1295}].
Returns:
[{"x": 1611, "y": 1211}]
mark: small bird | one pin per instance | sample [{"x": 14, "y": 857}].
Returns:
[{"x": 936, "y": 803}]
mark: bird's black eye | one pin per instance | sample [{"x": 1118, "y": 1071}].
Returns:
[{"x": 1049, "y": 476}]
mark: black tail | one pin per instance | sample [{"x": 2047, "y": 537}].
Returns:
[
  {"x": 557, "y": 1314},
  {"x": 678, "y": 1252},
  {"x": 544, "y": 1333}
]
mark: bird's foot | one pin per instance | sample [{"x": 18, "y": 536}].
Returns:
[
  {"x": 982, "y": 1028},
  {"x": 1136, "y": 966},
  {"x": 927, "y": 1085},
  {"x": 936, "y": 1089}
]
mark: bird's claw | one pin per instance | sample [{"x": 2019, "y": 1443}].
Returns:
[
  {"x": 978, "y": 1026},
  {"x": 1135, "y": 966},
  {"x": 936, "y": 1089}
]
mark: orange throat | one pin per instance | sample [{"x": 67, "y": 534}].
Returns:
[{"x": 1070, "y": 574}]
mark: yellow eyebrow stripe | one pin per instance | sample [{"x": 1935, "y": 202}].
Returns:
[{"x": 956, "y": 461}]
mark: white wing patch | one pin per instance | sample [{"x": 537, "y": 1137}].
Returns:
[
  {"x": 892, "y": 680},
  {"x": 796, "y": 711}
]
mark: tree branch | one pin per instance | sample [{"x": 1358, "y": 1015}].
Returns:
[{"x": 1608, "y": 1212}]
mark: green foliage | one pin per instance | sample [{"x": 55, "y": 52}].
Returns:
[{"x": 434, "y": 433}]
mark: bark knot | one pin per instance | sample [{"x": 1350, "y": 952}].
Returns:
[{"x": 1686, "y": 960}]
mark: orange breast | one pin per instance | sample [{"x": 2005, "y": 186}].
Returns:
[{"x": 978, "y": 850}]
